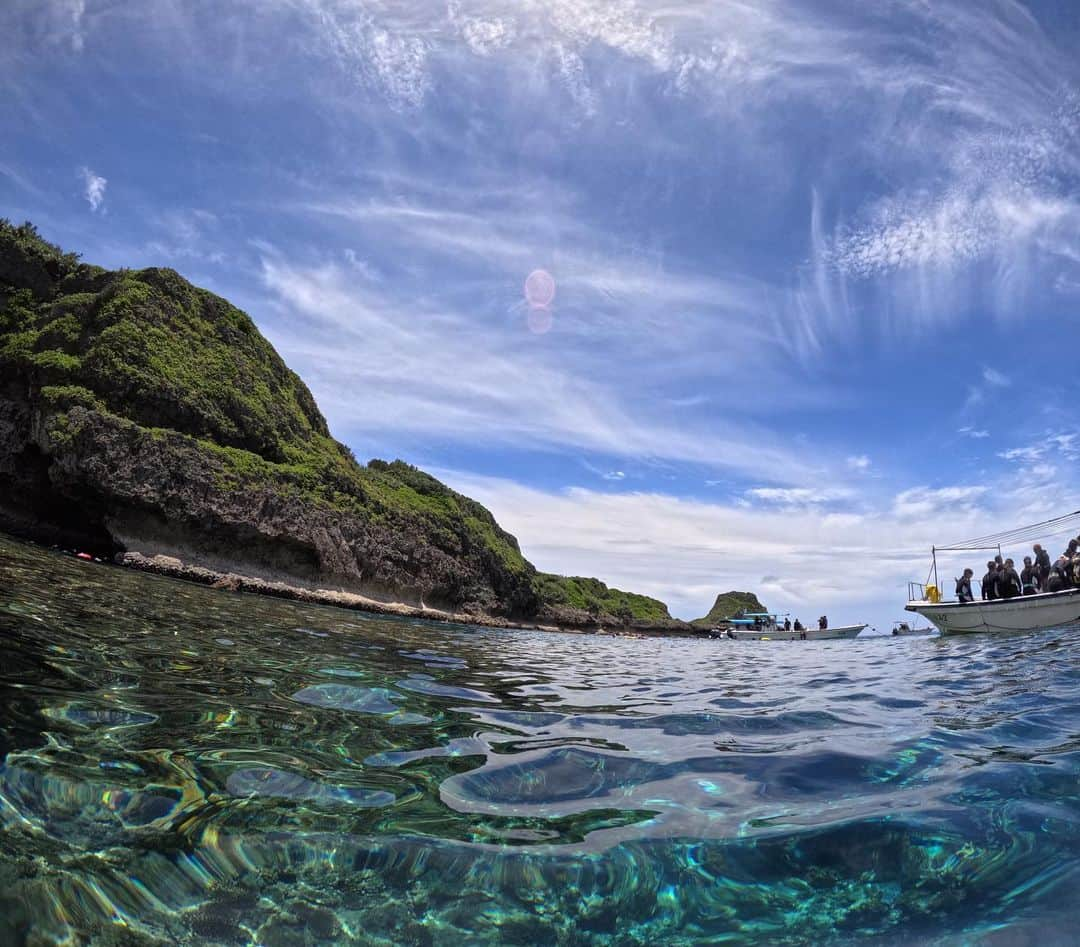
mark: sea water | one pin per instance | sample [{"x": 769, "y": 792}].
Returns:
[{"x": 184, "y": 765}]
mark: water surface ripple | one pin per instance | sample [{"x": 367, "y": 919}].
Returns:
[{"x": 184, "y": 765}]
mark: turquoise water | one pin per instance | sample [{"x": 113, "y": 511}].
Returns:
[{"x": 185, "y": 765}]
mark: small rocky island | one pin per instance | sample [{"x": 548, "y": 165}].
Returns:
[{"x": 147, "y": 421}]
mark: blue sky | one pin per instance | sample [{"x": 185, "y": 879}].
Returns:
[{"x": 817, "y": 271}]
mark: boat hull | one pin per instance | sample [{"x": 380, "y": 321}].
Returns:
[
  {"x": 1023, "y": 613},
  {"x": 810, "y": 634}
]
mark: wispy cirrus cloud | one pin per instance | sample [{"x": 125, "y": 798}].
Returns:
[
  {"x": 1055, "y": 446},
  {"x": 346, "y": 336},
  {"x": 660, "y": 319}
]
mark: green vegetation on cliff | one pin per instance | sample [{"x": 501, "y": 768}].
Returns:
[
  {"x": 133, "y": 398},
  {"x": 595, "y": 598},
  {"x": 729, "y": 604}
]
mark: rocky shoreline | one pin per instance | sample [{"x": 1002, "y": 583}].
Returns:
[{"x": 175, "y": 568}]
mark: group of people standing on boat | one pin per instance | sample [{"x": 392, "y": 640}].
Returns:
[{"x": 1038, "y": 575}]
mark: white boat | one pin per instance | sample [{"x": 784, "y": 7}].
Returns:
[
  {"x": 902, "y": 629},
  {"x": 780, "y": 634},
  {"x": 764, "y": 626},
  {"x": 1023, "y": 613},
  {"x": 1039, "y": 612}
]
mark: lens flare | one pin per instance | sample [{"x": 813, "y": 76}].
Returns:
[
  {"x": 539, "y": 320},
  {"x": 539, "y": 289}
]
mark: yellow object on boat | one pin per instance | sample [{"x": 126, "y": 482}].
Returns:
[{"x": 933, "y": 594}]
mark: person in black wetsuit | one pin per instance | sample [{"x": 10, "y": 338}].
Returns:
[
  {"x": 963, "y": 588},
  {"x": 1058, "y": 580},
  {"x": 1072, "y": 551},
  {"x": 1030, "y": 581},
  {"x": 989, "y": 582},
  {"x": 823, "y": 622},
  {"x": 798, "y": 625},
  {"x": 1009, "y": 585},
  {"x": 787, "y": 624},
  {"x": 1042, "y": 564}
]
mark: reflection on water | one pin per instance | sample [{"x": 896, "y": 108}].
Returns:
[{"x": 180, "y": 764}]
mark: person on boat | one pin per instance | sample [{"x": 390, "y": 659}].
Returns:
[
  {"x": 990, "y": 582},
  {"x": 963, "y": 588},
  {"x": 1009, "y": 585},
  {"x": 798, "y": 625},
  {"x": 1030, "y": 581},
  {"x": 1042, "y": 564},
  {"x": 1059, "y": 573},
  {"x": 787, "y": 624},
  {"x": 823, "y": 622}
]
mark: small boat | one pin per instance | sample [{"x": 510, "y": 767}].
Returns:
[
  {"x": 903, "y": 629},
  {"x": 766, "y": 627},
  {"x": 1039, "y": 612}
]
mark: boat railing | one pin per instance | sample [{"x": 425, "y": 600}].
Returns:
[{"x": 916, "y": 592}]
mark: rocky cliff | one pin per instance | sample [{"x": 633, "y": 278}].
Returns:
[
  {"x": 139, "y": 412},
  {"x": 727, "y": 605}
]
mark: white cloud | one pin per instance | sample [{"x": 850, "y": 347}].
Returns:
[
  {"x": 75, "y": 11},
  {"x": 797, "y": 496},
  {"x": 922, "y": 503},
  {"x": 60, "y": 23},
  {"x": 859, "y": 462},
  {"x": 690, "y": 401},
  {"x": 905, "y": 233},
  {"x": 94, "y": 188},
  {"x": 974, "y": 433},
  {"x": 1022, "y": 454},
  {"x": 485, "y": 37},
  {"x": 1066, "y": 445},
  {"x": 995, "y": 378},
  {"x": 1066, "y": 285}
]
